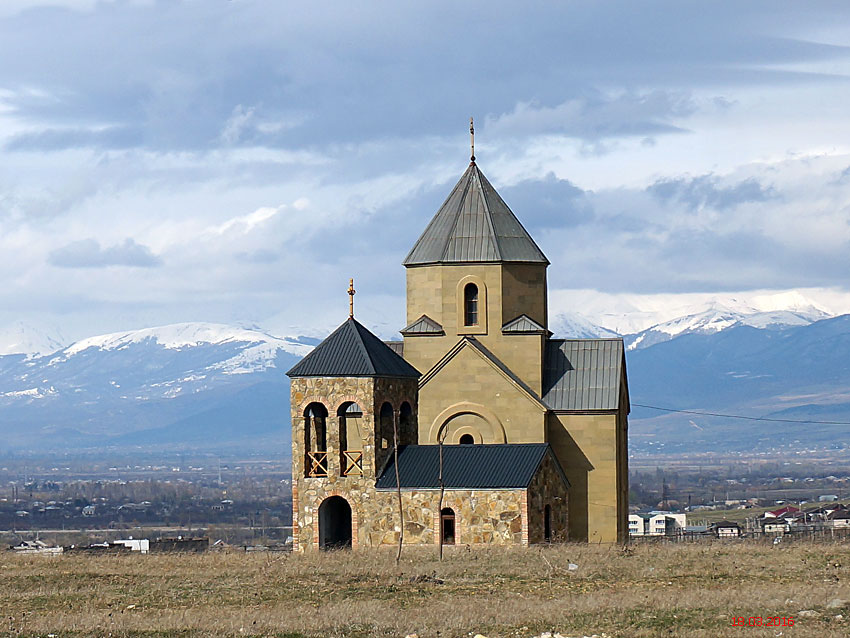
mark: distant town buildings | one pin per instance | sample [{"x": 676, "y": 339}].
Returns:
[{"x": 657, "y": 524}]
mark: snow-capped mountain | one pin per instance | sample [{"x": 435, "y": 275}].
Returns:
[
  {"x": 718, "y": 317},
  {"x": 181, "y": 336},
  {"x": 796, "y": 377},
  {"x": 201, "y": 380},
  {"x": 214, "y": 387},
  {"x": 22, "y": 338},
  {"x": 574, "y": 325},
  {"x": 776, "y": 311}
]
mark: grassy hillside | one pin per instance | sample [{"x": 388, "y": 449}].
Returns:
[{"x": 672, "y": 590}]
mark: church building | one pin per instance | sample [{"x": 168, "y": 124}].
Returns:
[{"x": 533, "y": 429}]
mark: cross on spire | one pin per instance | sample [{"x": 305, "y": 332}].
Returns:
[
  {"x": 351, "y": 293},
  {"x": 471, "y": 141}
]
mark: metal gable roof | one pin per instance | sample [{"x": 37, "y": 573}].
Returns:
[
  {"x": 583, "y": 374},
  {"x": 352, "y": 351},
  {"x": 496, "y": 466},
  {"x": 523, "y": 324},
  {"x": 474, "y": 224},
  {"x": 396, "y": 346},
  {"x": 423, "y": 326}
]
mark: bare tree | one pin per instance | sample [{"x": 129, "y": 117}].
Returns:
[
  {"x": 397, "y": 485},
  {"x": 440, "y": 439}
]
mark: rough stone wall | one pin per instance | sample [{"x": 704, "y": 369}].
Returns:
[
  {"x": 547, "y": 488},
  {"x": 369, "y": 394},
  {"x": 498, "y": 517},
  {"x": 396, "y": 392},
  {"x": 492, "y": 517}
]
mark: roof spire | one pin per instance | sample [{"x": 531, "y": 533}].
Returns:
[
  {"x": 472, "y": 141},
  {"x": 351, "y": 292}
]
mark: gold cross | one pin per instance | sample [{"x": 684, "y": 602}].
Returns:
[
  {"x": 351, "y": 292},
  {"x": 472, "y": 141}
]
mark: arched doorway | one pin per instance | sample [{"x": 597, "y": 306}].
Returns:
[
  {"x": 334, "y": 523},
  {"x": 467, "y": 439},
  {"x": 447, "y": 526}
]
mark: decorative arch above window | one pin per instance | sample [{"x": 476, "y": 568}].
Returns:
[{"x": 471, "y": 306}]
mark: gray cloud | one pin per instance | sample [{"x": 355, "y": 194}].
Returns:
[
  {"x": 598, "y": 116},
  {"x": 344, "y": 73},
  {"x": 57, "y": 139},
  {"x": 87, "y": 253},
  {"x": 708, "y": 190},
  {"x": 186, "y": 114},
  {"x": 548, "y": 202}
]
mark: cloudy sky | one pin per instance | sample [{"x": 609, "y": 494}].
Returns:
[{"x": 238, "y": 160}]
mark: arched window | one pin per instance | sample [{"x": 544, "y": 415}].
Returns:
[
  {"x": 406, "y": 424},
  {"x": 470, "y": 305},
  {"x": 350, "y": 439},
  {"x": 547, "y": 524},
  {"x": 386, "y": 429},
  {"x": 467, "y": 439},
  {"x": 447, "y": 526},
  {"x": 316, "y": 440}
]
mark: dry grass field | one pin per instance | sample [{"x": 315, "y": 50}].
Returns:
[{"x": 643, "y": 590}]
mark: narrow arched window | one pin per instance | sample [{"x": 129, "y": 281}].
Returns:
[
  {"x": 350, "y": 417},
  {"x": 386, "y": 426},
  {"x": 547, "y": 524},
  {"x": 406, "y": 424},
  {"x": 470, "y": 305},
  {"x": 316, "y": 440}
]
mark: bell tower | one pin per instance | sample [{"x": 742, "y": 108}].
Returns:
[
  {"x": 348, "y": 398},
  {"x": 475, "y": 275}
]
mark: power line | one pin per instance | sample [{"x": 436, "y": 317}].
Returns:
[{"x": 740, "y": 416}]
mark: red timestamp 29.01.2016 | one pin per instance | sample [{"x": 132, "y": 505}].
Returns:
[{"x": 762, "y": 621}]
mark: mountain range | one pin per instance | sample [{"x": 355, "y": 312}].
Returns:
[{"x": 214, "y": 387}]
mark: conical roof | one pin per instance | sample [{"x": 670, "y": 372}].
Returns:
[
  {"x": 474, "y": 225},
  {"x": 352, "y": 351}
]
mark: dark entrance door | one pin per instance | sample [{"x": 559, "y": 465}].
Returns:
[
  {"x": 447, "y": 525},
  {"x": 334, "y": 523}
]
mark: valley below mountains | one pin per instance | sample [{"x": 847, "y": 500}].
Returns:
[{"x": 217, "y": 388}]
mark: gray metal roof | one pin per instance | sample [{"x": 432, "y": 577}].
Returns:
[
  {"x": 423, "y": 326},
  {"x": 352, "y": 351},
  {"x": 523, "y": 324},
  {"x": 583, "y": 374},
  {"x": 396, "y": 346},
  {"x": 497, "y": 466},
  {"x": 474, "y": 224}
]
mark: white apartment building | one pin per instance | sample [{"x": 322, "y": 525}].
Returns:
[{"x": 657, "y": 524}]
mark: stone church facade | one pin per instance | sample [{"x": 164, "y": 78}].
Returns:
[{"x": 479, "y": 371}]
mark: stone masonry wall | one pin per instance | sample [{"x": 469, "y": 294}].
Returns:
[
  {"x": 547, "y": 488},
  {"x": 369, "y": 394},
  {"x": 491, "y": 517},
  {"x": 498, "y": 517}
]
